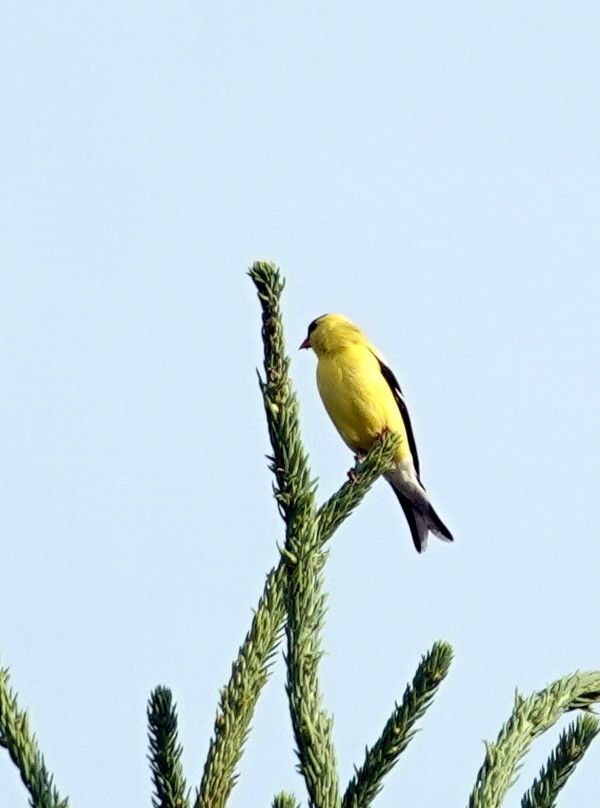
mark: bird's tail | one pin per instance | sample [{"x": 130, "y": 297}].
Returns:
[
  {"x": 421, "y": 517},
  {"x": 417, "y": 524}
]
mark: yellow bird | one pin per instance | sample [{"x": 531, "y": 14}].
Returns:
[{"x": 363, "y": 399}]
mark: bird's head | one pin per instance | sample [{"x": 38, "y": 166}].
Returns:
[{"x": 330, "y": 333}]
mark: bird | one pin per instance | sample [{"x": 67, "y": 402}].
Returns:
[{"x": 363, "y": 399}]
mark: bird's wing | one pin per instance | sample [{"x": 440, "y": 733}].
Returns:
[{"x": 392, "y": 381}]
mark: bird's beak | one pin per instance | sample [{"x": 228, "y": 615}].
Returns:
[{"x": 305, "y": 344}]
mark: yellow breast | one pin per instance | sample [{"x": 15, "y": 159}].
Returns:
[{"x": 358, "y": 399}]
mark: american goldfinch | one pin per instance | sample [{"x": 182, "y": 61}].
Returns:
[{"x": 363, "y": 399}]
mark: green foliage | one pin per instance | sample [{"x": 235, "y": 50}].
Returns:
[
  {"x": 303, "y": 557},
  {"x": 23, "y": 749},
  {"x": 399, "y": 730},
  {"x": 293, "y": 603},
  {"x": 305, "y": 606},
  {"x": 238, "y": 699},
  {"x": 571, "y": 747},
  {"x": 250, "y": 670},
  {"x": 285, "y": 801},
  {"x": 530, "y": 718},
  {"x": 170, "y": 790},
  {"x": 339, "y": 507}
]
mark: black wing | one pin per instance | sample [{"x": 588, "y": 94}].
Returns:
[{"x": 395, "y": 388}]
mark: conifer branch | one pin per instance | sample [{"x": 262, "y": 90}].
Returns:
[
  {"x": 284, "y": 800},
  {"x": 571, "y": 747},
  {"x": 399, "y": 730},
  {"x": 366, "y": 471},
  {"x": 22, "y": 747},
  {"x": 170, "y": 790},
  {"x": 238, "y": 699},
  {"x": 250, "y": 670},
  {"x": 289, "y": 463},
  {"x": 530, "y": 718},
  {"x": 305, "y": 603}
]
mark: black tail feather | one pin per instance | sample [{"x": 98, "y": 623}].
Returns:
[
  {"x": 419, "y": 537},
  {"x": 437, "y": 526},
  {"x": 421, "y": 523}
]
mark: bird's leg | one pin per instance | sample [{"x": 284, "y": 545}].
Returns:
[{"x": 360, "y": 453}]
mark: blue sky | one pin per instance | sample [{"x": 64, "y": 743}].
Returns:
[{"x": 430, "y": 170}]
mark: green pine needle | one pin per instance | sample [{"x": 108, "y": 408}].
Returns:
[
  {"x": 289, "y": 464},
  {"x": 530, "y": 718},
  {"x": 284, "y": 800},
  {"x": 572, "y": 746},
  {"x": 22, "y": 747},
  {"x": 366, "y": 471},
  {"x": 250, "y": 670},
  {"x": 399, "y": 730},
  {"x": 305, "y": 603},
  {"x": 170, "y": 790},
  {"x": 303, "y": 558},
  {"x": 238, "y": 699}
]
